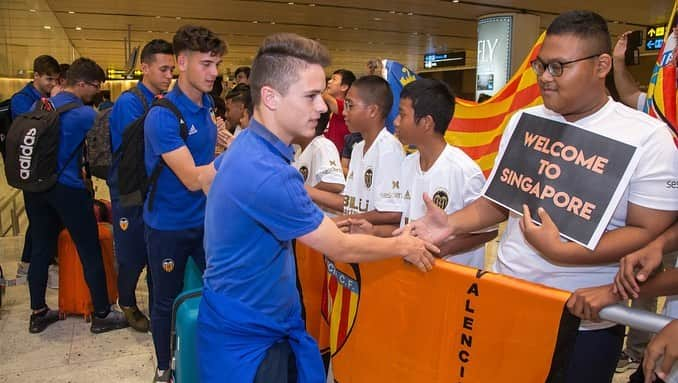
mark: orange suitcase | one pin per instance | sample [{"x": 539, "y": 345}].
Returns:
[{"x": 74, "y": 296}]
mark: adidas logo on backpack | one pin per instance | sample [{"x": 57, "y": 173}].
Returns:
[{"x": 32, "y": 148}]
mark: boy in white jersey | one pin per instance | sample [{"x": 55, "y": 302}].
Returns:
[
  {"x": 373, "y": 183},
  {"x": 318, "y": 162},
  {"x": 440, "y": 170},
  {"x": 571, "y": 68}
]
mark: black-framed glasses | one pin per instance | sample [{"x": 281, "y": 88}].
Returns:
[
  {"x": 555, "y": 68},
  {"x": 94, "y": 84},
  {"x": 348, "y": 104}
]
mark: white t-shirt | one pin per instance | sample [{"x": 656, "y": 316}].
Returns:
[
  {"x": 453, "y": 182},
  {"x": 648, "y": 188},
  {"x": 373, "y": 180},
  {"x": 319, "y": 162}
]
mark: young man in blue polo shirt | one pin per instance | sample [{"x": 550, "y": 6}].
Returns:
[
  {"x": 45, "y": 77},
  {"x": 174, "y": 221},
  {"x": 157, "y": 65},
  {"x": 250, "y": 326},
  {"x": 68, "y": 202}
]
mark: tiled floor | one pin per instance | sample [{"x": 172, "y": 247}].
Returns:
[{"x": 66, "y": 351}]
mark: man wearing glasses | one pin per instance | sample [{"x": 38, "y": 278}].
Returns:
[
  {"x": 70, "y": 203},
  {"x": 571, "y": 69}
]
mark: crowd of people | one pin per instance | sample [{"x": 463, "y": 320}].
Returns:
[{"x": 287, "y": 154}]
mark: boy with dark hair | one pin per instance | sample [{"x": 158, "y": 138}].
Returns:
[
  {"x": 45, "y": 76},
  {"x": 235, "y": 107},
  {"x": 334, "y": 94},
  {"x": 373, "y": 189},
  {"x": 70, "y": 203},
  {"x": 242, "y": 75},
  {"x": 442, "y": 171},
  {"x": 61, "y": 81},
  {"x": 249, "y": 323},
  {"x": 571, "y": 68},
  {"x": 174, "y": 223},
  {"x": 157, "y": 65}
]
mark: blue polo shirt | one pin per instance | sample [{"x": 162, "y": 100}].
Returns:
[
  {"x": 127, "y": 109},
  {"x": 175, "y": 207},
  {"x": 22, "y": 101},
  {"x": 74, "y": 126},
  {"x": 250, "y": 222}
]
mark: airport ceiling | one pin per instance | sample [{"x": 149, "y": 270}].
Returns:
[{"x": 353, "y": 30}]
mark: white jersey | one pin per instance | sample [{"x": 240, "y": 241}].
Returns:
[
  {"x": 319, "y": 162},
  {"x": 453, "y": 182},
  {"x": 650, "y": 187},
  {"x": 373, "y": 180}
]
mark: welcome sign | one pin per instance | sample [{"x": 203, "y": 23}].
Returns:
[{"x": 577, "y": 176}]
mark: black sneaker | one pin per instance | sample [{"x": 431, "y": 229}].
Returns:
[
  {"x": 41, "y": 320},
  {"x": 115, "y": 320}
]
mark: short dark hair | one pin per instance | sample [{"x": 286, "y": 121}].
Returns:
[
  {"x": 154, "y": 47},
  {"x": 279, "y": 59},
  {"x": 242, "y": 69},
  {"x": 239, "y": 93},
  {"x": 374, "y": 90},
  {"x": 63, "y": 70},
  {"x": 84, "y": 69},
  {"x": 586, "y": 25},
  {"x": 347, "y": 77},
  {"x": 106, "y": 94},
  {"x": 46, "y": 64},
  {"x": 198, "y": 39},
  {"x": 433, "y": 98}
]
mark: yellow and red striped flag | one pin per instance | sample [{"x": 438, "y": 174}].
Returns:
[
  {"x": 661, "y": 92},
  {"x": 477, "y": 128}
]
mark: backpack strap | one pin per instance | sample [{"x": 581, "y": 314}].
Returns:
[
  {"x": 183, "y": 132},
  {"x": 137, "y": 92},
  {"x": 63, "y": 109}
]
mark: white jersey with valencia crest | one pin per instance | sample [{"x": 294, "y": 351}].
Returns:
[
  {"x": 373, "y": 180},
  {"x": 453, "y": 182}
]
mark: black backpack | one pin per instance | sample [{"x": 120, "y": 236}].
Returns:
[
  {"x": 133, "y": 182},
  {"x": 5, "y": 123},
  {"x": 32, "y": 147},
  {"x": 98, "y": 145}
]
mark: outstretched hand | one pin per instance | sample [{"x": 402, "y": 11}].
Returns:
[
  {"x": 417, "y": 251},
  {"x": 432, "y": 227}
]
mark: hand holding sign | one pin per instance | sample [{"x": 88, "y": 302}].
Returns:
[{"x": 544, "y": 238}]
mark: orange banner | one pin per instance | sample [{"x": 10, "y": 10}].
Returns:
[{"x": 392, "y": 323}]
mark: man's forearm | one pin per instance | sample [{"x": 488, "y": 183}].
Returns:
[
  {"x": 626, "y": 85},
  {"x": 379, "y": 217},
  {"x": 480, "y": 214},
  {"x": 326, "y": 199},
  {"x": 662, "y": 284},
  {"x": 465, "y": 242}
]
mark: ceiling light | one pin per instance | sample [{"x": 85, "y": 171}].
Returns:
[
  {"x": 255, "y": 22},
  {"x": 71, "y": 13},
  {"x": 78, "y": 28},
  {"x": 455, "y": 1},
  {"x": 355, "y": 28},
  {"x": 391, "y": 12},
  {"x": 150, "y": 31},
  {"x": 272, "y": 22},
  {"x": 410, "y": 13},
  {"x": 32, "y": 10},
  {"x": 377, "y": 19},
  {"x": 340, "y": 27},
  {"x": 47, "y": 27},
  {"x": 311, "y": 5},
  {"x": 290, "y": 3},
  {"x": 178, "y": 17},
  {"x": 157, "y": 17}
]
